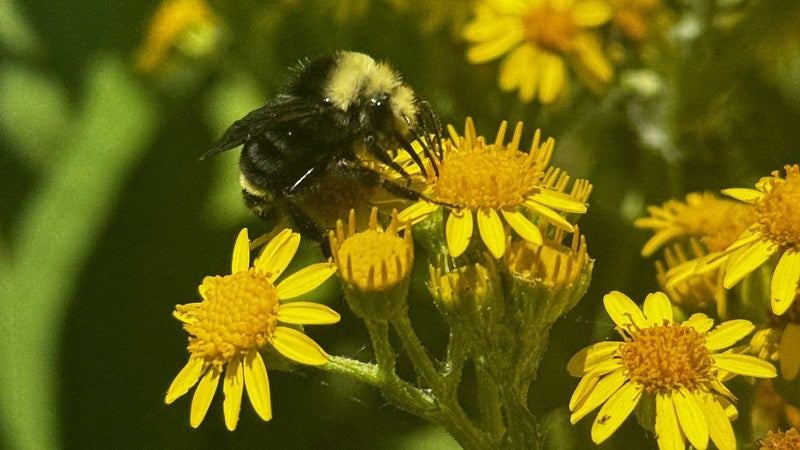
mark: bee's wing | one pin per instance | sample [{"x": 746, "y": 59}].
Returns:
[{"x": 280, "y": 114}]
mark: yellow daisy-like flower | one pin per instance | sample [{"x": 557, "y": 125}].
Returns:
[
  {"x": 239, "y": 314},
  {"x": 687, "y": 289},
  {"x": 677, "y": 365},
  {"x": 716, "y": 222},
  {"x": 188, "y": 24},
  {"x": 539, "y": 38},
  {"x": 776, "y": 232},
  {"x": 496, "y": 183},
  {"x": 635, "y": 17}
]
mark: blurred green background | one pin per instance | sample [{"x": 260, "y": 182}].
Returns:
[{"x": 108, "y": 218}]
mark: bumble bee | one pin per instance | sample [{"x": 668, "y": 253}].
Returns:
[{"x": 304, "y": 152}]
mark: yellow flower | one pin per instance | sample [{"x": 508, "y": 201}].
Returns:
[
  {"x": 677, "y": 365},
  {"x": 634, "y": 17},
  {"x": 496, "y": 183},
  {"x": 775, "y": 232},
  {"x": 717, "y": 222},
  {"x": 780, "y": 440},
  {"x": 779, "y": 341},
  {"x": 705, "y": 223},
  {"x": 539, "y": 38},
  {"x": 551, "y": 263},
  {"x": 239, "y": 314},
  {"x": 374, "y": 265},
  {"x": 189, "y": 25}
]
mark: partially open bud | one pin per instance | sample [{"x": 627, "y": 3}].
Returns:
[{"x": 374, "y": 265}]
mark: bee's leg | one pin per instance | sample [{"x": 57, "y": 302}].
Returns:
[
  {"x": 374, "y": 148},
  {"x": 308, "y": 227}
]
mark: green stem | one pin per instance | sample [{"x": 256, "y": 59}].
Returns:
[
  {"x": 489, "y": 400},
  {"x": 416, "y": 352}
]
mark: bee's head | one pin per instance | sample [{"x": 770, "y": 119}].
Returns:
[{"x": 373, "y": 92}]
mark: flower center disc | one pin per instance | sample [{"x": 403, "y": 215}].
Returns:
[
  {"x": 666, "y": 357},
  {"x": 239, "y": 313},
  {"x": 377, "y": 256},
  {"x": 550, "y": 29},
  {"x": 485, "y": 177},
  {"x": 777, "y": 209}
]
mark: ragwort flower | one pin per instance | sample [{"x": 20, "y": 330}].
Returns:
[
  {"x": 677, "y": 365},
  {"x": 239, "y": 314},
  {"x": 779, "y": 341},
  {"x": 539, "y": 38},
  {"x": 776, "y": 232},
  {"x": 496, "y": 183}
]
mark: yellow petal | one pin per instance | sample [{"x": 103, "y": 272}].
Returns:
[
  {"x": 728, "y": 333},
  {"x": 618, "y": 407},
  {"x": 240, "y": 261},
  {"x": 700, "y": 322},
  {"x": 491, "y": 230},
  {"x": 203, "y": 395},
  {"x": 591, "y": 13},
  {"x": 589, "y": 357},
  {"x": 518, "y": 70},
  {"x": 304, "y": 280},
  {"x": 745, "y": 260},
  {"x": 691, "y": 418},
  {"x": 743, "y": 194},
  {"x": 746, "y": 365},
  {"x": 789, "y": 355},
  {"x": 588, "y": 382},
  {"x": 554, "y": 77},
  {"x": 558, "y": 200},
  {"x": 549, "y": 215},
  {"x": 458, "y": 231},
  {"x": 604, "y": 388},
  {"x": 256, "y": 381},
  {"x": 307, "y": 313},
  {"x": 668, "y": 433},
  {"x": 278, "y": 253},
  {"x": 660, "y": 239},
  {"x": 657, "y": 308},
  {"x": 417, "y": 212},
  {"x": 232, "y": 385},
  {"x": 785, "y": 282},
  {"x": 186, "y": 378},
  {"x": 622, "y": 310},
  {"x": 298, "y": 347},
  {"x": 719, "y": 426},
  {"x": 524, "y": 227},
  {"x": 494, "y": 48}
]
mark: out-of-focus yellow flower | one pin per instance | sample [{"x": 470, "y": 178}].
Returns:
[
  {"x": 189, "y": 26},
  {"x": 239, "y": 314},
  {"x": 635, "y": 17},
  {"x": 776, "y": 232},
  {"x": 779, "y": 341},
  {"x": 703, "y": 223},
  {"x": 537, "y": 40},
  {"x": 679, "y": 366},
  {"x": 493, "y": 184}
]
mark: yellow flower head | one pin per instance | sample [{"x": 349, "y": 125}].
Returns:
[
  {"x": 715, "y": 221},
  {"x": 239, "y": 314},
  {"x": 539, "y": 38},
  {"x": 495, "y": 183},
  {"x": 779, "y": 341},
  {"x": 551, "y": 263},
  {"x": 776, "y": 232},
  {"x": 635, "y": 17},
  {"x": 679, "y": 365},
  {"x": 189, "y": 25},
  {"x": 780, "y": 440},
  {"x": 372, "y": 260}
]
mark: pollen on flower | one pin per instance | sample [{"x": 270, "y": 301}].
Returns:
[
  {"x": 239, "y": 314},
  {"x": 781, "y": 440},
  {"x": 667, "y": 357},
  {"x": 475, "y": 174},
  {"x": 550, "y": 28},
  {"x": 778, "y": 209},
  {"x": 373, "y": 259}
]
